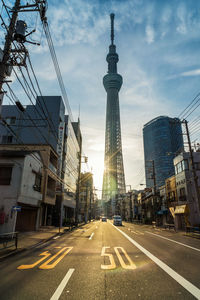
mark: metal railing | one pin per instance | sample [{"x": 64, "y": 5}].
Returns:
[
  {"x": 8, "y": 240},
  {"x": 50, "y": 193}
]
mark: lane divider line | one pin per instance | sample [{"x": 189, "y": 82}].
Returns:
[
  {"x": 191, "y": 288},
  {"x": 185, "y": 245},
  {"x": 56, "y": 237},
  {"x": 91, "y": 236},
  {"x": 62, "y": 285}
]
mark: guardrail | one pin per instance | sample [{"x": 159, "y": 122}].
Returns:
[
  {"x": 169, "y": 226},
  {"x": 8, "y": 240},
  {"x": 194, "y": 231},
  {"x": 137, "y": 221}
]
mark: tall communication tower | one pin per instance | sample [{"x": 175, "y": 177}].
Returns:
[{"x": 113, "y": 178}]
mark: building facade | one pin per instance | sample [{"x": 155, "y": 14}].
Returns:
[
  {"x": 186, "y": 211},
  {"x": 31, "y": 184},
  {"x": 45, "y": 124},
  {"x": 163, "y": 140}
]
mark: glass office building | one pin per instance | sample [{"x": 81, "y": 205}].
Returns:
[{"x": 163, "y": 140}]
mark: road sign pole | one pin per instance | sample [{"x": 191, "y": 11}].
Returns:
[{"x": 14, "y": 224}]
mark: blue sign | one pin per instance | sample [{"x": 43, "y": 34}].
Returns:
[{"x": 16, "y": 208}]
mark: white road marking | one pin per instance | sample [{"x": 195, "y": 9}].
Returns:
[
  {"x": 160, "y": 236},
  {"x": 62, "y": 285},
  {"x": 137, "y": 232},
  {"x": 56, "y": 237},
  {"x": 91, "y": 236},
  {"x": 134, "y": 232},
  {"x": 181, "y": 280}
]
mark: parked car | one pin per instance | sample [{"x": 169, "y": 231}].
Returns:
[
  {"x": 117, "y": 220},
  {"x": 104, "y": 219}
]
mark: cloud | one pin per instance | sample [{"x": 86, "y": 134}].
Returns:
[
  {"x": 154, "y": 39},
  {"x": 150, "y": 34},
  {"x": 190, "y": 73}
]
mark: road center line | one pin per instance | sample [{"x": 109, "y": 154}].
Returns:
[
  {"x": 62, "y": 285},
  {"x": 185, "y": 245},
  {"x": 181, "y": 280},
  {"x": 91, "y": 236}
]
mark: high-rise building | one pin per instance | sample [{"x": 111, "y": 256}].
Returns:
[
  {"x": 163, "y": 140},
  {"x": 113, "y": 178}
]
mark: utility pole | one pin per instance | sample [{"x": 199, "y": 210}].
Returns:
[
  {"x": 78, "y": 189},
  {"x": 192, "y": 162},
  {"x": 17, "y": 31},
  {"x": 4, "y": 64},
  {"x": 154, "y": 187},
  {"x": 154, "y": 177}
]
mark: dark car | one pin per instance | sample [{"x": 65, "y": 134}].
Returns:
[{"x": 104, "y": 219}]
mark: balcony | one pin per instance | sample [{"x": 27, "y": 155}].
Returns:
[
  {"x": 50, "y": 193},
  {"x": 52, "y": 168},
  {"x": 183, "y": 198}
]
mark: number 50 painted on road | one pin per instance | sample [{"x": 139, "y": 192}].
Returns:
[{"x": 112, "y": 265}]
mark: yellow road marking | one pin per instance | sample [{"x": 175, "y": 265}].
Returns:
[
  {"x": 112, "y": 262},
  {"x": 46, "y": 265},
  {"x": 24, "y": 267},
  {"x": 132, "y": 266}
]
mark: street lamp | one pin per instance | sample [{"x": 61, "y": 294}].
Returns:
[{"x": 78, "y": 185}]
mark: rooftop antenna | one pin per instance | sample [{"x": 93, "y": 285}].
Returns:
[
  {"x": 79, "y": 111},
  {"x": 112, "y": 16}
]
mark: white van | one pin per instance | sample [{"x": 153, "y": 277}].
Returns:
[{"x": 117, "y": 220}]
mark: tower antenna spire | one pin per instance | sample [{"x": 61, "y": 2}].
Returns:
[{"x": 112, "y": 16}]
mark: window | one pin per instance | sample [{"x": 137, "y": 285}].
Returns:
[
  {"x": 5, "y": 174},
  {"x": 182, "y": 192},
  {"x": 38, "y": 179},
  {"x": 11, "y": 120},
  {"x": 176, "y": 170},
  {"x": 197, "y": 165},
  {"x": 7, "y": 139},
  {"x": 185, "y": 164}
]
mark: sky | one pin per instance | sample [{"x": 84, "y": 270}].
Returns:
[{"x": 158, "y": 43}]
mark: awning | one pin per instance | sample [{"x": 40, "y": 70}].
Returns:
[
  {"x": 180, "y": 209},
  {"x": 162, "y": 212},
  {"x": 171, "y": 209}
]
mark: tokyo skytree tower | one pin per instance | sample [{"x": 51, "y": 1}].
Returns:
[{"x": 113, "y": 178}]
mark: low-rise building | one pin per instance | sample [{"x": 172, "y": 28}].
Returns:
[
  {"x": 186, "y": 211},
  {"x": 20, "y": 185},
  {"x": 31, "y": 184}
]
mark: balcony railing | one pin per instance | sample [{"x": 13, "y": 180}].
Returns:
[
  {"x": 52, "y": 168},
  {"x": 182, "y": 198},
  {"x": 50, "y": 193}
]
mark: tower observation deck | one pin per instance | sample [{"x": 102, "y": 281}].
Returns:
[{"x": 113, "y": 178}]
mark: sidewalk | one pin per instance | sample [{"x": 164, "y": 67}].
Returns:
[{"x": 28, "y": 240}]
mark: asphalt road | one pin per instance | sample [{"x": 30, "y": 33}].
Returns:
[{"x": 101, "y": 261}]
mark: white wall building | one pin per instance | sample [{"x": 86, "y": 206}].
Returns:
[{"x": 20, "y": 185}]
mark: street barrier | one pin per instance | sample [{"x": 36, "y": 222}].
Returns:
[
  {"x": 8, "y": 240},
  {"x": 193, "y": 231}
]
